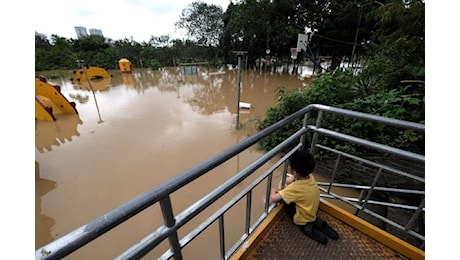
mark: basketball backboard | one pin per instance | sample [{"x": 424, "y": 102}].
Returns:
[{"x": 302, "y": 42}]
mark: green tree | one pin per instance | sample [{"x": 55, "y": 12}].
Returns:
[
  {"x": 129, "y": 49},
  {"x": 160, "y": 42},
  {"x": 61, "y": 53},
  {"x": 397, "y": 48},
  {"x": 203, "y": 23},
  {"x": 391, "y": 85},
  {"x": 258, "y": 25},
  {"x": 42, "y": 53}
]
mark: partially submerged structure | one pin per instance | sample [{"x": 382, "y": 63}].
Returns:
[
  {"x": 49, "y": 101},
  {"x": 89, "y": 73}
]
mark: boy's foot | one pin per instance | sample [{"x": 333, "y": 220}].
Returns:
[
  {"x": 314, "y": 233},
  {"x": 322, "y": 226}
]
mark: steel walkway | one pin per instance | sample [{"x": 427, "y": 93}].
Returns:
[{"x": 280, "y": 240}]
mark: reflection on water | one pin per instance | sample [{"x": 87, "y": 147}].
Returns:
[
  {"x": 97, "y": 84},
  {"x": 56, "y": 133},
  {"x": 128, "y": 79},
  {"x": 79, "y": 98},
  {"x": 157, "y": 124},
  {"x": 43, "y": 223}
]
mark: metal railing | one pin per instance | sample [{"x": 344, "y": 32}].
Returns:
[
  {"x": 362, "y": 203},
  {"x": 161, "y": 194}
]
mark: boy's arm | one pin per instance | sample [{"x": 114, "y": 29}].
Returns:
[{"x": 275, "y": 196}]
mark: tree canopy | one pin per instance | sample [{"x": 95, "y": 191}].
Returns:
[
  {"x": 202, "y": 22},
  {"x": 392, "y": 83},
  {"x": 387, "y": 36},
  {"x": 341, "y": 29}
]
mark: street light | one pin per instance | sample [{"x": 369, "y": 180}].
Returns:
[
  {"x": 357, "y": 27},
  {"x": 239, "y": 54}
]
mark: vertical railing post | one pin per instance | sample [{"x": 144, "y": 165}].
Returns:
[
  {"x": 360, "y": 201},
  {"x": 283, "y": 178},
  {"x": 415, "y": 215},
  {"x": 248, "y": 212},
  {"x": 268, "y": 190},
  {"x": 222, "y": 237},
  {"x": 319, "y": 121},
  {"x": 369, "y": 193},
  {"x": 305, "y": 124},
  {"x": 169, "y": 220},
  {"x": 333, "y": 174}
]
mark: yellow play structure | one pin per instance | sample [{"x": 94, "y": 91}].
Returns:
[
  {"x": 96, "y": 84},
  {"x": 125, "y": 66},
  {"x": 50, "y": 102},
  {"x": 92, "y": 73}
]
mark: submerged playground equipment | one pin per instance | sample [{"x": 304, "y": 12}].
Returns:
[
  {"x": 49, "y": 101},
  {"x": 56, "y": 133},
  {"x": 95, "y": 84},
  {"x": 91, "y": 78},
  {"x": 91, "y": 74},
  {"x": 125, "y": 66}
]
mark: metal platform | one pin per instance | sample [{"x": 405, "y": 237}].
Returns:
[
  {"x": 272, "y": 235},
  {"x": 282, "y": 239}
]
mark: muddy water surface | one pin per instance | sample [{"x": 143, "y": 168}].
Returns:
[{"x": 139, "y": 131}]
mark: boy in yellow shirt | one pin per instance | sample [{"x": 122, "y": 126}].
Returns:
[{"x": 301, "y": 197}]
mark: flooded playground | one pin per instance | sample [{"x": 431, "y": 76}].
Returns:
[{"x": 137, "y": 131}]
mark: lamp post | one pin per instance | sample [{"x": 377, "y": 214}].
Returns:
[
  {"x": 239, "y": 54},
  {"x": 356, "y": 34},
  {"x": 359, "y": 24}
]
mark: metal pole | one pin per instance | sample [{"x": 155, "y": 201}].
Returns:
[
  {"x": 91, "y": 87},
  {"x": 239, "y": 54},
  {"x": 239, "y": 88},
  {"x": 357, "y": 28},
  {"x": 356, "y": 35}
]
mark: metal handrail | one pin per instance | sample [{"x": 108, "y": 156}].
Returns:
[{"x": 83, "y": 235}]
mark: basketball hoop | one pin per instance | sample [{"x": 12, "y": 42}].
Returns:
[{"x": 294, "y": 53}]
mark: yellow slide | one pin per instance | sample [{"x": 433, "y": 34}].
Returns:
[{"x": 50, "y": 102}]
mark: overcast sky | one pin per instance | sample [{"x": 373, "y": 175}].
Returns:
[{"x": 117, "y": 19}]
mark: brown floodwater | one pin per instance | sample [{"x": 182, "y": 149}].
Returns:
[{"x": 136, "y": 132}]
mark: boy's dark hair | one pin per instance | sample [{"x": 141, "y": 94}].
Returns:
[{"x": 302, "y": 162}]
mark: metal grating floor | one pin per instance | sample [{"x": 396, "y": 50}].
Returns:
[{"x": 284, "y": 240}]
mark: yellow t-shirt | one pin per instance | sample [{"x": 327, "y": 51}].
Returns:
[{"x": 305, "y": 195}]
